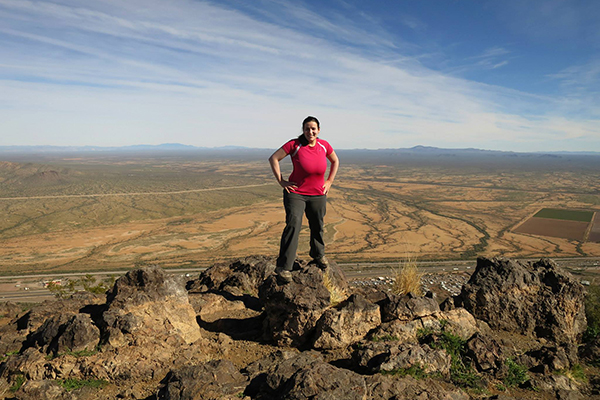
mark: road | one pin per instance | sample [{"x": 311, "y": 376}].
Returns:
[
  {"x": 35, "y": 291},
  {"x": 68, "y": 196}
]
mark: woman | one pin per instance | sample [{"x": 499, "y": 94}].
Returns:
[{"x": 305, "y": 192}]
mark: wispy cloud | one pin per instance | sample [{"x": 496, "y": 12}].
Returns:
[{"x": 107, "y": 72}]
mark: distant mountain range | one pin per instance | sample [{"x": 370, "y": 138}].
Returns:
[{"x": 178, "y": 147}]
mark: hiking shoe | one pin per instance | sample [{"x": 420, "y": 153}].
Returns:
[
  {"x": 284, "y": 275},
  {"x": 321, "y": 262}
]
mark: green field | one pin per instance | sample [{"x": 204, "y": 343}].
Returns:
[{"x": 568, "y": 215}]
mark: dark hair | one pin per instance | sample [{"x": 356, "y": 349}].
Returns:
[
  {"x": 310, "y": 119},
  {"x": 302, "y": 138}
]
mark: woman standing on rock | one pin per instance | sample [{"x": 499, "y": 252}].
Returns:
[{"x": 305, "y": 192}]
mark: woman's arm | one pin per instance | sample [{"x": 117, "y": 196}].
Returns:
[
  {"x": 335, "y": 164},
  {"x": 274, "y": 161}
]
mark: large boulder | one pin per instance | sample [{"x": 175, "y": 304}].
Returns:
[
  {"x": 347, "y": 323},
  {"x": 238, "y": 277},
  {"x": 381, "y": 387},
  {"x": 374, "y": 357},
  {"x": 147, "y": 302},
  {"x": 218, "y": 379},
  {"x": 305, "y": 376},
  {"x": 458, "y": 321},
  {"x": 66, "y": 333},
  {"x": 407, "y": 307},
  {"x": 293, "y": 309},
  {"x": 528, "y": 298}
]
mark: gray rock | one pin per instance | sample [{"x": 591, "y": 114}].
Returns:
[
  {"x": 534, "y": 298},
  {"x": 41, "y": 390},
  {"x": 79, "y": 334},
  {"x": 392, "y": 388},
  {"x": 346, "y": 324},
  {"x": 147, "y": 302},
  {"x": 376, "y": 357},
  {"x": 323, "y": 381},
  {"x": 238, "y": 277},
  {"x": 485, "y": 352},
  {"x": 407, "y": 307},
  {"x": 218, "y": 379},
  {"x": 292, "y": 310}
]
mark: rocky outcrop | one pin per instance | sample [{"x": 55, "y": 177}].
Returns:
[
  {"x": 407, "y": 307},
  {"x": 374, "y": 357},
  {"x": 292, "y": 310},
  {"x": 457, "y": 321},
  {"x": 66, "y": 333},
  {"x": 529, "y": 298},
  {"x": 346, "y": 324},
  {"x": 150, "y": 338},
  {"x": 238, "y": 277},
  {"x": 149, "y": 303},
  {"x": 218, "y": 379}
]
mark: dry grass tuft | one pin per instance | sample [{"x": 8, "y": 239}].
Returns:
[
  {"x": 407, "y": 279},
  {"x": 336, "y": 294}
]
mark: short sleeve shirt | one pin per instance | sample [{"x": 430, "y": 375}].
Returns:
[{"x": 310, "y": 165}]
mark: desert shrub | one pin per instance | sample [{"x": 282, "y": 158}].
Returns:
[
  {"x": 416, "y": 371},
  {"x": 19, "y": 381},
  {"x": 407, "y": 279},
  {"x": 461, "y": 372},
  {"x": 516, "y": 375},
  {"x": 592, "y": 313},
  {"x": 62, "y": 290},
  {"x": 384, "y": 338},
  {"x": 576, "y": 373},
  {"x": 336, "y": 294}
]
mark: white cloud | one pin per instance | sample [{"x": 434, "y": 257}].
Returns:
[{"x": 115, "y": 73}]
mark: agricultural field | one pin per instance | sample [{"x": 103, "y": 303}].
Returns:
[
  {"x": 567, "y": 224},
  {"x": 100, "y": 212},
  {"x": 594, "y": 235}
]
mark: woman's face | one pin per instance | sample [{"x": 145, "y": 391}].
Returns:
[{"x": 311, "y": 131}]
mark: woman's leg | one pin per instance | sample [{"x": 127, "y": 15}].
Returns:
[
  {"x": 294, "y": 209},
  {"x": 316, "y": 207}
]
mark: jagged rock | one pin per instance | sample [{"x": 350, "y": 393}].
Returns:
[
  {"x": 448, "y": 304},
  {"x": 324, "y": 381},
  {"x": 534, "y": 298},
  {"x": 30, "y": 363},
  {"x": 556, "y": 382},
  {"x": 375, "y": 357},
  {"x": 553, "y": 358},
  {"x": 457, "y": 321},
  {"x": 147, "y": 302},
  {"x": 407, "y": 307},
  {"x": 79, "y": 334},
  {"x": 293, "y": 309},
  {"x": 238, "y": 277},
  {"x": 485, "y": 353},
  {"x": 346, "y": 324},
  {"x": 34, "y": 318},
  {"x": 303, "y": 376},
  {"x": 9, "y": 310},
  {"x": 66, "y": 332},
  {"x": 391, "y": 388},
  {"x": 41, "y": 390},
  {"x": 218, "y": 379},
  {"x": 590, "y": 352},
  {"x": 206, "y": 304}
]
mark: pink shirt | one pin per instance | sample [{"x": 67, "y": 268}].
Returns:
[{"x": 310, "y": 165}]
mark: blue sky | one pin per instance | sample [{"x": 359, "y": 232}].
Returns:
[{"x": 502, "y": 75}]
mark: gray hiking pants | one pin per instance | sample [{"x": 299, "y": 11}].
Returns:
[{"x": 296, "y": 205}]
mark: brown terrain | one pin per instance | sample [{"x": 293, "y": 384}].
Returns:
[
  {"x": 573, "y": 230},
  {"x": 99, "y": 214}
]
